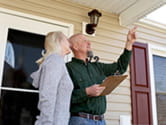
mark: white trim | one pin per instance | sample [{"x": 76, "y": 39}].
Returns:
[
  {"x": 138, "y": 11},
  {"x": 38, "y": 18},
  {"x": 19, "y": 90},
  {"x": 153, "y": 91},
  {"x": 151, "y": 51}
]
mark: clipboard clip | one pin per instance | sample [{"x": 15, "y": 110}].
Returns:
[{"x": 117, "y": 73}]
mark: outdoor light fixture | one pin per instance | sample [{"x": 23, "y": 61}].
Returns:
[{"x": 94, "y": 18}]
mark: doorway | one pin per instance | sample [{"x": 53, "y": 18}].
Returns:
[
  {"x": 22, "y": 49},
  {"x": 21, "y": 42}
]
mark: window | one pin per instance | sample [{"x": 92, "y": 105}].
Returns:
[
  {"x": 22, "y": 50},
  {"x": 21, "y": 42},
  {"x": 160, "y": 73}
]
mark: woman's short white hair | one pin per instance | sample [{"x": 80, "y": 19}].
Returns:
[{"x": 52, "y": 44}]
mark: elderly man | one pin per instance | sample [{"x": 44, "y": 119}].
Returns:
[{"x": 87, "y": 106}]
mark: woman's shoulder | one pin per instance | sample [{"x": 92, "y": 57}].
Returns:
[{"x": 53, "y": 59}]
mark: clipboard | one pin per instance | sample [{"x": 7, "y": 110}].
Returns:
[{"x": 111, "y": 82}]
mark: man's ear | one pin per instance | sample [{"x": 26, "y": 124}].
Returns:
[{"x": 75, "y": 47}]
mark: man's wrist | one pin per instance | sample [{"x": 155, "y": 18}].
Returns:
[
  {"x": 87, "y": 91},
  {"x": 129, "y": 45}
]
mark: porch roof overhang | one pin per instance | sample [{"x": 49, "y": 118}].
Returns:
[{"x": 129, "y": 11}]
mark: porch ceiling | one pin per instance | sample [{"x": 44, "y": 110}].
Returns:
[
  {"x": 113, "y": 6},
  {"x": 129, "y": 11}
]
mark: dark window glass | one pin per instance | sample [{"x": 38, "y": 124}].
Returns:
[
  {"x": 18, "y": 108},
  {"x": 22, "y": 50}
]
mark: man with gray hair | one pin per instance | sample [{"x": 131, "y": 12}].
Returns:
[{"x": 87, "y": 106}]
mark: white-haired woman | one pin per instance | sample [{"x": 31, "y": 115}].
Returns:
[{"x": 53, "y": 81}]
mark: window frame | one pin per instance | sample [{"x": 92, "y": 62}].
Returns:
[
  {"x": 29, "y": 23},
  {"x": 158, "y": 51}
]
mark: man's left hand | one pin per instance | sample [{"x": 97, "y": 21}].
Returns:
[{"x": 131, "y": 38}]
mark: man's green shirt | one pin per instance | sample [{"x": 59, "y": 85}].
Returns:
[{"x": 84, "y": 75}]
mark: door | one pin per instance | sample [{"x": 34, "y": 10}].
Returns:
[
  {"x": 140, "y": 86},
  {"x": 21, "y": 43}
]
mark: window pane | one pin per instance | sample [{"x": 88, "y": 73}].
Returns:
[
  {"x": 18, "y": 108},
  {"x": 22, "y": 50},
  {"x": 161, "y": 109},
  {"x": 160, "y": 73}
]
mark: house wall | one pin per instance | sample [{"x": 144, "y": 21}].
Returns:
[{"x": 107, "y": 44}]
